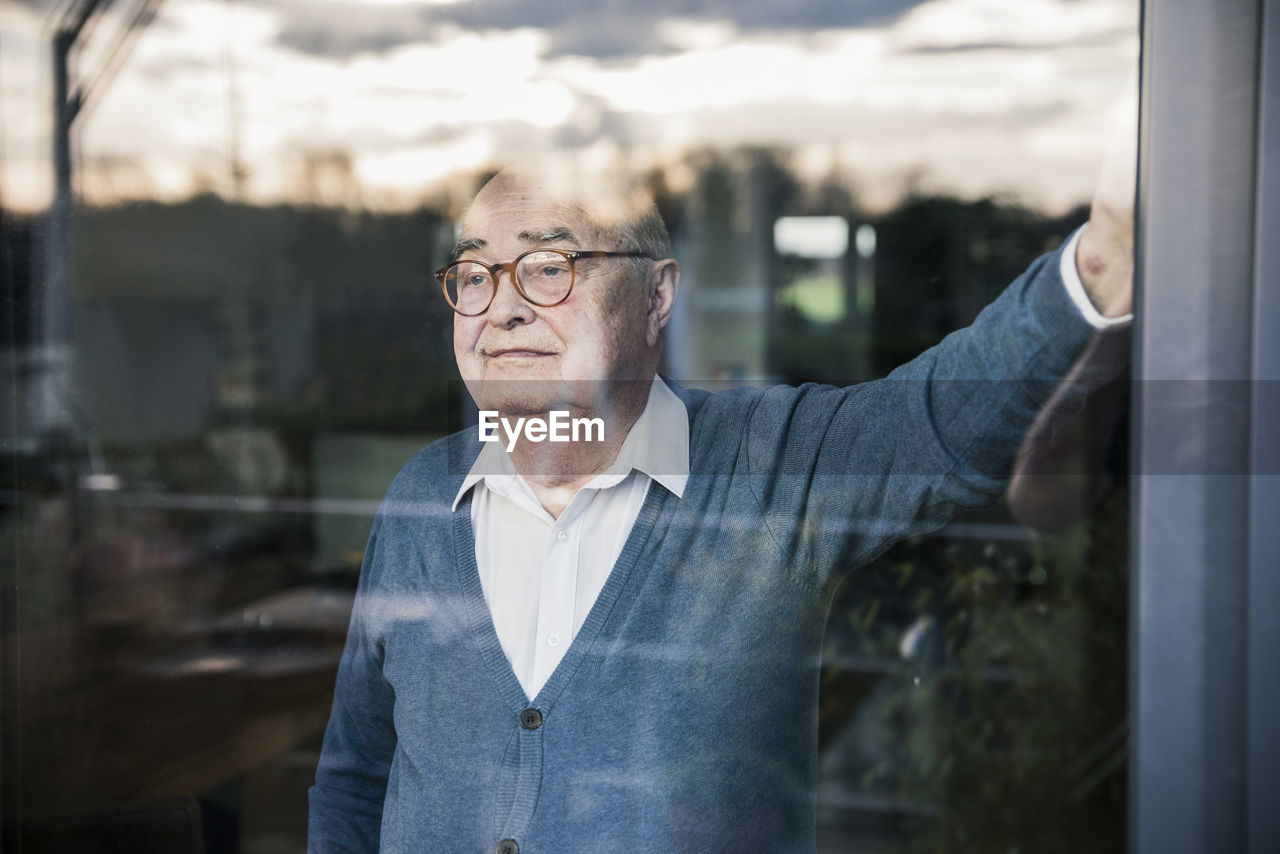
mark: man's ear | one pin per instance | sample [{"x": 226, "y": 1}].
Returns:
[{"x": 664, "y": 283}]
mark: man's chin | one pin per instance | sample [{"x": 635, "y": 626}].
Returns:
[
  {"x": 532, "y": 395},
  {"x": 517, "y": 397}
]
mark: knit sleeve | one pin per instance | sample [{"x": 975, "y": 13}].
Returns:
[
  {"x": 842, "y": 473},
  {"x": 351, "y": 779}
]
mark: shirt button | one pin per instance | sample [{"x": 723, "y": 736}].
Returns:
[
  {"x": 554, "y": 640},
  {"x": 508, "y": 846},
  {"x": 563, "y": 536},
  {"x": 530, "y": 719}
]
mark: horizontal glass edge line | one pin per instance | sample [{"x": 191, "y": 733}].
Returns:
[
  {"x": 197, "y": 501},
  {"x": 1095, "y": 376},
  {"x": 369, "y": 507},
  {"x": 366, "y": 508}
]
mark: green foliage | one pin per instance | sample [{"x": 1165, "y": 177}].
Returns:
[{"x": 1012, "y": 736}]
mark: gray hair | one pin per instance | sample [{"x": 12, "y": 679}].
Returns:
[{"x": 644, "y": 231}]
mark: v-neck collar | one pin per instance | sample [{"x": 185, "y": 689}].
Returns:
[
  {"x": 463, "y": 449},
  {"x": 481, "y": 619}
]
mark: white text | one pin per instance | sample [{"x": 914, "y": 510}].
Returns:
[{"x": 559, "y": 427}]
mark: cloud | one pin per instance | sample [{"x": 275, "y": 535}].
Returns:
[
  {"x": 610, "y": 31},
  {"x": 41, "y": 6},
  {"x": 344, "y": 30},
  {"x": 1103, "y": 38},
  {"x": 418, "y": 89}
]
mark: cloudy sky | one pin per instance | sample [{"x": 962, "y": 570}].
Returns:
[{"x": 966, "y": 96}]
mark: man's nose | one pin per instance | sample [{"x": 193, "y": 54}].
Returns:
[{"x": 508, "y": 308}]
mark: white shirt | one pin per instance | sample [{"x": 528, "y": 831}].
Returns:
[{"x": 542, "y": 575}]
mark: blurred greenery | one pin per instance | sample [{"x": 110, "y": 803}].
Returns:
[
  {"x": 1007, "y": 715},
  {"x": 817, "y": 298},
  {"x": 938, "y": 261}
]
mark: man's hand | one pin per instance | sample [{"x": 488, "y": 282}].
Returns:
[{"x": 1104, "y": 254}]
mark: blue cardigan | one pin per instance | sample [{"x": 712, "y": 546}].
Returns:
[{"x": 683, "y": 717}]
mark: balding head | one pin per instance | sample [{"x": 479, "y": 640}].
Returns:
[{"x": 621, "y": 212}]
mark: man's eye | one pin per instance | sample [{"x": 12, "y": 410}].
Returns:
[
  {"x": 471, "y": 276},
  {"x": 550, "y": 271}
]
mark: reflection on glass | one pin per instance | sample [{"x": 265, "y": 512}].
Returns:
[{"x": 223, "y": 339}]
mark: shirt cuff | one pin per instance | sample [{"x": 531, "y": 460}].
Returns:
[{"x": 1075, "y": 287}]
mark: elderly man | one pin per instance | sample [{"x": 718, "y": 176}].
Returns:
[{"x": 613, "y": 643}]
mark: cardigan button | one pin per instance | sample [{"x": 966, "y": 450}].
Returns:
[
  {"x": 508, "y": 846},
  {"x": 530, "y": 719}
]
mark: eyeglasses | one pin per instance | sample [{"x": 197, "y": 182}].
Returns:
[{"x": 543, "y": 277}]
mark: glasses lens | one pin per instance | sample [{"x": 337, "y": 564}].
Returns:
[
  {"x": 469, "y": 286},
  {"x": 546, "y": 276}
]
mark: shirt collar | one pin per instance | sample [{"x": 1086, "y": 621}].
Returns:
[{"x": 657, "y": 446}]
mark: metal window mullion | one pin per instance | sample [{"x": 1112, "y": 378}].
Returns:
[
  {"x": 1263, "y": 745},
  {"x": 1193, "y": 357}
]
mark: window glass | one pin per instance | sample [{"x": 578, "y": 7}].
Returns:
[{"x": 222, "y": 338}]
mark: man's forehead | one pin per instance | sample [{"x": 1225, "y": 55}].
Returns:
[
  {"x": 557, "y": 234},
  {"x": 551, "y": 234},
  {"x": 543, "y": 210},
  {"x": 482, "y": 227}
]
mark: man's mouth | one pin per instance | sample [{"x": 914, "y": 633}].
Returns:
[{"x": 516, "y": 353}]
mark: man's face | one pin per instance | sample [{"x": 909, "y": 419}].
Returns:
[{"x": 518, "y": 357}]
